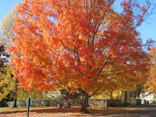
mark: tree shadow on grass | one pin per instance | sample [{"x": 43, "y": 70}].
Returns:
[
  {"x": 140, "y": 110},
  {"x": 75, "y": 111},
  {"x": 143, "y": 109},
  {"x": 133, "y": 112}
]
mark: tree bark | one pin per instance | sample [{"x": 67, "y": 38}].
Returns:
[
  {"x": 125, "y": 96},
  {"x": 84, "y": 102},
  {"x": 15, "y": 94},
  {"x": 139, "y": 88}
]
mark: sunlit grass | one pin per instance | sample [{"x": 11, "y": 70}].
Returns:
[{"x": 3, "y": 107}]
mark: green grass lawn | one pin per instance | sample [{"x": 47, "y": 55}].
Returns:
[{"x": 3, "y": 107}]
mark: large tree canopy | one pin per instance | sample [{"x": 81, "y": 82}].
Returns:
[{"x": 78, "y": 45}]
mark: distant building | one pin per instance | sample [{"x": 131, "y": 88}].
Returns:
[{"x": 149, "y": 96}]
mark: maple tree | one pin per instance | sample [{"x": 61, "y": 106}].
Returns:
[{"x": 70, "y": 44}]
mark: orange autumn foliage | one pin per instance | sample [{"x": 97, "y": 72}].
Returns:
[
  {"x": 71, "y": 43},
  {"x": 151, "y": 79}
]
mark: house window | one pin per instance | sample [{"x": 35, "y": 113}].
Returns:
[{"x": 132, "y": 94}]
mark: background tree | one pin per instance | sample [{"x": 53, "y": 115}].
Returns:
[
  {"x": 151, "y": 81},
  {"x": 23, "y": 94},
  {"x": 6, "y": 36},
  {"x": 7, "y": 24},
  {"x": 70, "y": 44},
  {"x": 6, "y": 81}
]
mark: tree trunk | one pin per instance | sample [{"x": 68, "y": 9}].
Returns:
[
  {"x": 139, "y": 92},
  {"x": 125, "y": 96},
  {"x": 15, "y": 103},
  {"x": 15, "y": 94},
  {"x": 84, "y": 102}
]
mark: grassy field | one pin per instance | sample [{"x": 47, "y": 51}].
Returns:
[
  {"x": 4, "y": 110},
  {"x": 74, "y": 111},
  {"x": 20, "y": 109}
]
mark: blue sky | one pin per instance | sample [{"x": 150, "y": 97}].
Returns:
[
  {"x": 147, "y": 29},
  {"x": 6, "y": 5}
]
